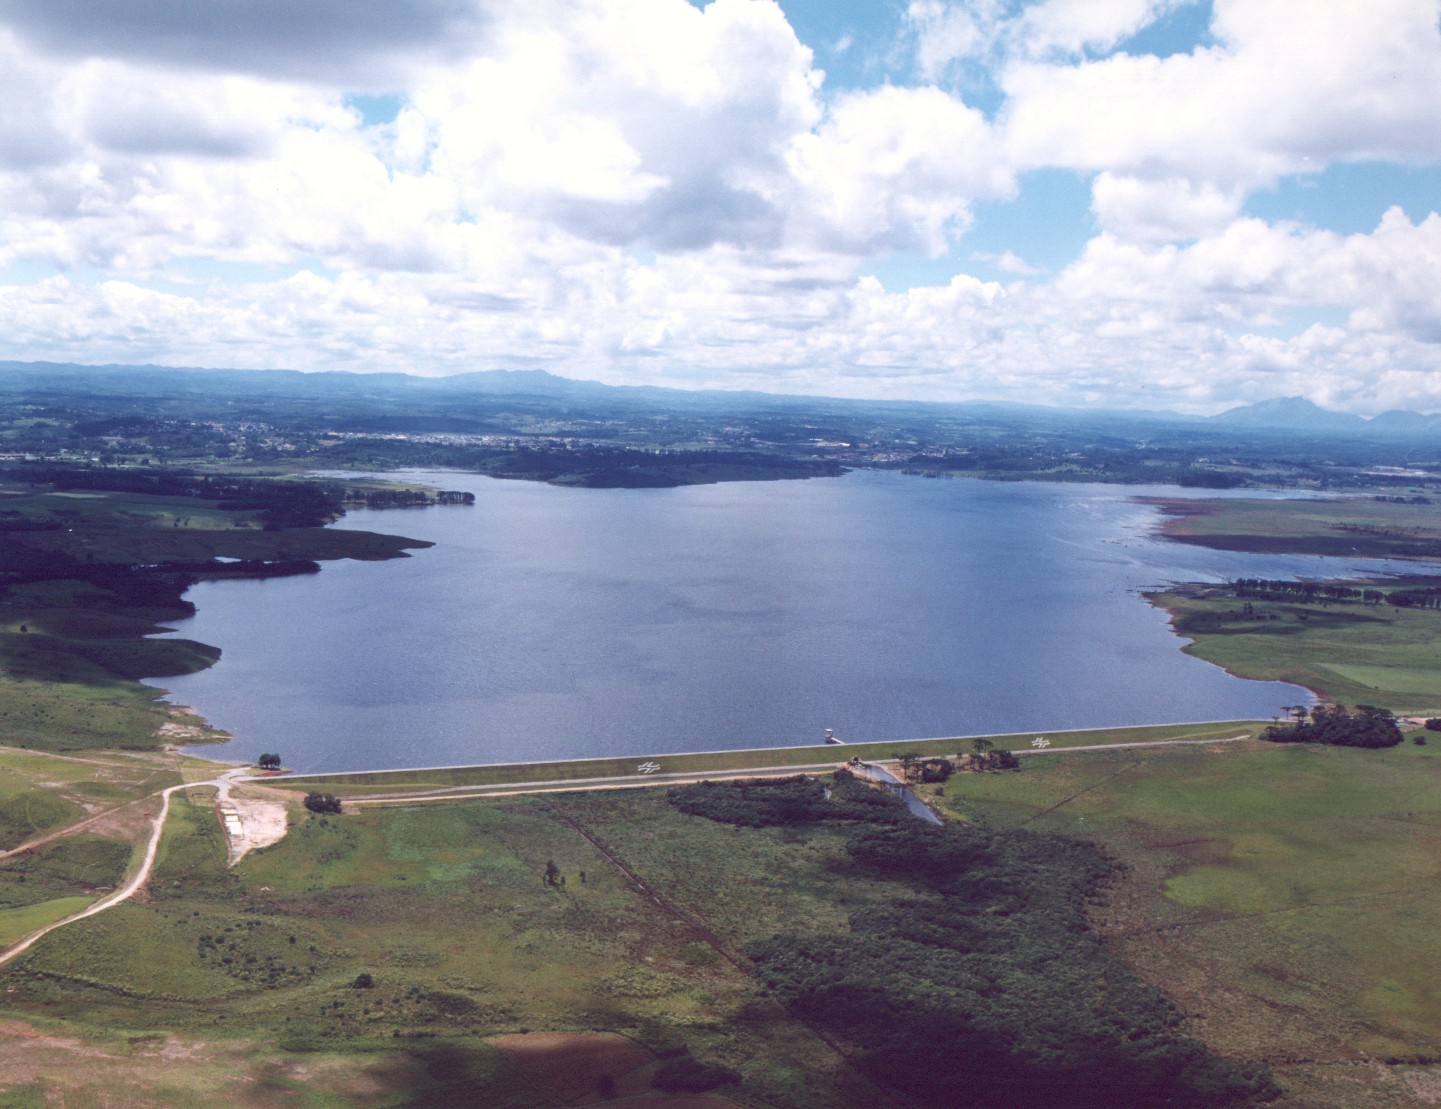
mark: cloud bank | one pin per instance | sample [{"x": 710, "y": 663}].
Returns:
[{"x": 648, "y": 191}]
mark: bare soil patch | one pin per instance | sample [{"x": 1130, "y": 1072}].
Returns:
[
  {"x": 262, "y": 823},
  {"x": 569, "y": 1065}
]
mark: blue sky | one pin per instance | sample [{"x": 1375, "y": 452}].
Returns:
[{"x": 1078, "y": 202}]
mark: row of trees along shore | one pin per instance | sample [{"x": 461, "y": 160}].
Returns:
[
  {"x": 407, "y": 498},
  {"x": 1368, "y": 726},
  {"x": 1330, "y": 593}
]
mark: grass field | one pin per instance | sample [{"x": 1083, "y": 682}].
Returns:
[
  {"x": 41, "y": 792},
  {"x": 1284, "y": 897},
  {"x": 68, "y": 671},
  {"x": 1361, "y": 526},
  {"x": 1354, "y": 654}
]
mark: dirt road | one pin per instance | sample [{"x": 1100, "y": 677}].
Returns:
[{"x": 137, "y": 880}]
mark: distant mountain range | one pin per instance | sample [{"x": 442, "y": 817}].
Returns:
[
  {"x": 1296, "y": 415},
  {"x": 1301, "y": 415}
]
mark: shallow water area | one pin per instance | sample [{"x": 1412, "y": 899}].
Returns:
[{"x": 555, "y": 623}]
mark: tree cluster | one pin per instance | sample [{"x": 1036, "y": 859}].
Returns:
[
  {"x": 1368, "y": 726},
  {"x": 1415, "y": 598},
  {"x": 986, "y": 756},
  {"x": 687, "y": 1075},
  {"x": 322, "y": 803}
]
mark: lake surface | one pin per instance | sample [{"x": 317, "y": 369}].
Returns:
[{"x": 564, "y": 623}]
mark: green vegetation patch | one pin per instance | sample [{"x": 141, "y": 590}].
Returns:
[
  {"x": 981, "y": 972},
  {"x": 1349, "y": 527},
  {"x": 78, "y": 865},
  {"x": 771, "y": 802},
  {"x": 405, "y": 936},
  {"x": 17, "y": 923},
  {"x": 25, "y": 812},
  {"x": 41, "y": 793},
  {"x": 161, "y": 953},
  {"x": 1285, "y": 896},
  {"x": 1356, "y": 654},
  {"x": 192, "y": 852}
]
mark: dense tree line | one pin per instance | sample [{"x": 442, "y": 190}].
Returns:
[
  {"x": 154, "y": 587},
  {"x": 1281, "y": 590},
  {"x": 406, "y": 498},
  {"x": 1368, "y": 726},
  {"x": 979, "y": 981},
  {"x": 1331, "y": 593},
  {"x": 1415, "y": 598}
]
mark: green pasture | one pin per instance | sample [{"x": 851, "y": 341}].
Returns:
[
  {"x": 1268, "y": 881},
  {"x": 446, "y": 909},
  {"x": 780, "y": 759},
  {"x": 41, "y": 792},
  {"x": 70, "y": 716},
  {"x": 74, "y": 866},
  {"x": 17, "y": 923},
  {"x": 1351, "y": 653},
  {"x": 1345, "y": 526},
  {"x": 68, "y": 669}
]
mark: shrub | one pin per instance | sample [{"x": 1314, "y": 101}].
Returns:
[
  {"x": 772, "y": 802},
  {"x": 685, "y": 1075},
  {"x": 322, "y": 802}
]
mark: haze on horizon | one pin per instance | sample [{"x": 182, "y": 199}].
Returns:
[{"x": 1123, "y": 203}]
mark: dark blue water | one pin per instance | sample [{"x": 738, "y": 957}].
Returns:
[{"x": 551, "y": 622}]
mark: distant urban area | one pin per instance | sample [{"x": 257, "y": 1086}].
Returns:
[{"x": 532, "y": 425}]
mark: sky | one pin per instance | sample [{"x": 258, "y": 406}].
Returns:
[{"x": 1180, "y": 204}]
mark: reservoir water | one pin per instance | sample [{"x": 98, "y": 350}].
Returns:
[{"x": 562, "y": 623}]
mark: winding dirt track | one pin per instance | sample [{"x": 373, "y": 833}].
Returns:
[{"x": 137, "y": 880}]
